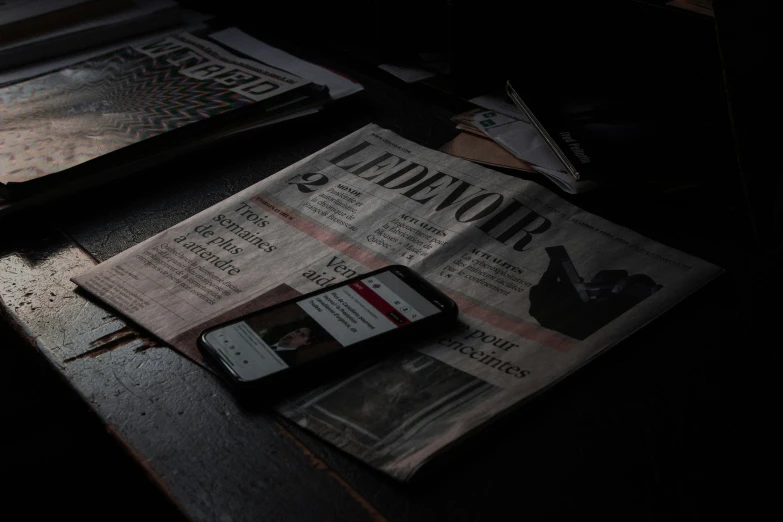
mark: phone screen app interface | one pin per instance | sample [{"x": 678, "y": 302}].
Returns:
[{"x": 305, "y": 330}]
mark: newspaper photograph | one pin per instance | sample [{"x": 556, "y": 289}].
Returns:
[{"x": 542, "y": 286}]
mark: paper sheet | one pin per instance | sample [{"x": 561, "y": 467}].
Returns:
[
  {"x": 524, "y": 141},
  {"x": 339, "y": 86},
  {"x": 501, "y": 104},
  {"x": 407, "y": 74},
  {"x": 483, "y": 150}
]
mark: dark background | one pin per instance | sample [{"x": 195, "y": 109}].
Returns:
[{"x": 668, "y": 425}]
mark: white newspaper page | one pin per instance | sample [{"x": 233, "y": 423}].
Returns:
[{"x": 542, "y": 286}]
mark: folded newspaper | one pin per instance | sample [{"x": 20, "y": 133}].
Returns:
[
  {"x": 111, "y": 114},
  {"x": 542, "y": 286}
]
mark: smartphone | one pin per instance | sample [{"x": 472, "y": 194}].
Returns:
[{"x": 276, "y": 347}]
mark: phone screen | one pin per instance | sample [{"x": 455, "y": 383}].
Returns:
[{"x": 303, "y": 330}]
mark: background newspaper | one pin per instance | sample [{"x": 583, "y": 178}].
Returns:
[{"x": 542, "y": 285}]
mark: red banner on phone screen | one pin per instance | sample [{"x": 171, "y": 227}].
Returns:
[{"x": 379, "y": 304}]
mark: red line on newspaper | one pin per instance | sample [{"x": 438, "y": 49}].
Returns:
[
  {"x": 327, "y": 237},
  {"x": 514, "y": 325}
]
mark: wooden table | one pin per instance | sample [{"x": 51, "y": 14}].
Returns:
[{"x": 635, "y": 434}]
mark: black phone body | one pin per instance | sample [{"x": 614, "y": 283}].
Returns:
[{"x": 274, "y": 348}]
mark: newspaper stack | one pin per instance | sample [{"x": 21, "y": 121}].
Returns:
[
  {"x": 124, "y": 110},
  {"x": 543, "y": 286},
  {"x": 500, "y": 134}
]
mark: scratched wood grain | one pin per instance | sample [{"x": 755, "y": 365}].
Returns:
[
  {"x": 216, "y": 461},
  {"x": 39, "y": 297}
]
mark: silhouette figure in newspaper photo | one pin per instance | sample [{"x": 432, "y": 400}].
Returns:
[
  {"x": 292, "y": 334},
  {"x": 562, "y": 301}
]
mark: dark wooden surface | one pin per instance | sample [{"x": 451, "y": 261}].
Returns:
[
  {"x": 60, "y": 461},
  {"x": 643, "y": 432},
  {"x": 746, "y": 35},
  {"x": 179, "y": 423},
  {"x": 635, "y": 434}
]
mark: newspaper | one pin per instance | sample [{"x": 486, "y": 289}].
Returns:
[
  {"x": 87, "y": 110},
  {"x": 542, "y": 286}
]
